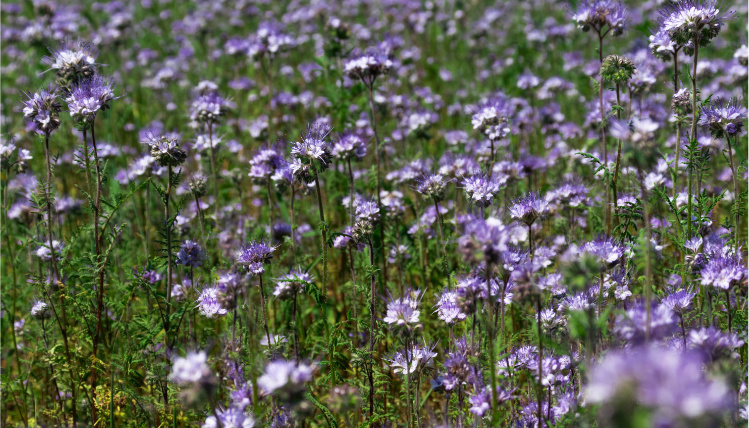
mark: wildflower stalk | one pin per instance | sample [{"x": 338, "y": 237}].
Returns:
[
  {"x": 56, "y": 277},
  {"x": 693, "y": 134},
  {"x": 737, "y": 213},
  {"x": 167, "y": 214},
  {"x": 265, "y": 315},
  {"x": 296, "y": 329},
  {"x": 324, "y": 230},
  {"x": 490, "y": 334},
  {"x": 200, "y": 219},
  {"x": 442, "y": 240},
  {"x": 540, "y": 392},
  {"x": 270, "y": 207},
  {"x": 372, "y": 314},
  {"x": 379, "y": 185},
  {"x": 618, "y": 150},
  {"x": 648, "y": 275},
  {"x": 214, "y": 171},
  {"x": 607, "y": 211},
  {"x": 678, "y": 122}
]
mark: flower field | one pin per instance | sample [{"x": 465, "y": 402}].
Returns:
[{"x": 378, "y": 213}]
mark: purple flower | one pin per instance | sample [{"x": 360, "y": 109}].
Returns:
[
  {"x": 368, "y": 65},
  {"x": 402, "y": 311},
  {"x": 528, "y": 209},
  {"x": 432, "y": 186},
  {"x": 43, "y": 109},
  {"x": 190, "y": 254},
  {"x": 724, "y": 272},
  {"x": 266, "y": 162},
  {"x": 73, "y": 60},
  {"x": 679, "y": 302},
  {"x": 191, "y": 369},
  {"x": 689, "y": 20},
  {"x": 39, "y": 309},
  {"x": 606, "y": 249},
  {"x": 254, "y": 255},
  {"x": 723, "y": 119},
  {"x": 448, "y": 309},
  {"x": 350, "y": 146},
  {"x": 632, "y": 326},
  {"x": 291, "y": 283},
  {"x": 714, "y": 343},
  {"x": 284, "y": 378},
  {"x": 88, "y": 97},
  {"x": 232, "y": 417},
  {"x": 208, "y": 108},
  {"x": 165, "y": 150},
  {"x": 492, "y": 118},
  {"x": 209, "y": 302},
  {"x": 312, "y": 154},
  {"x": 670, "y": 383},
  {"x": 481, "y": 190},
  {"x": 412, "y": 360},
  {"x": 599, "y": 14}
]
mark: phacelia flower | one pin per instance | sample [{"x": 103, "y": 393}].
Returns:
[
  {"x": 89, "y": 96},
  {"x": 528, "y": 209},
  {"x": 723, "y": 119},
  {"x": 350, "y": 146},
  {"x": 492, "y": 118},
  {"x": 208, "y": 108},
  {"x": 43, "y": 109},
  {"x": 432, "y": 186},
  {"x": 232, "y": 417},
  {"x": 689, "y": 20},
  {"x": 285, "y": 379},
  {"x": 254, "y": 255},
  {"x": 291, "y": 283},
  {"x": 312, "y": 154},
  {"x": 481, "y": 190},
  {"x": 190, "y": 254},
  {"x": 73, "y": 61},
  {"x": 599, "y": 14},
  {"x": 209, "y": 303},
  {"x": 724, "y": 272},
  {"x": 39, "y": 309},
  {"x": 191, "y": 369},
  {"x": 367, "y": 66},
  {"x": 166, "y": 150}
]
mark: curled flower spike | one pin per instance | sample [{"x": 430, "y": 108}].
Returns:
[
  {"x": 312, "y": 154},
  {"x": 166, "y": 150},
  {"x": 208, "y": 108},
  {"x": 528, "y": 209}
]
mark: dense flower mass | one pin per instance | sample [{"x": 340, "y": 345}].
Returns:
[{"x": 395, "y": 213}]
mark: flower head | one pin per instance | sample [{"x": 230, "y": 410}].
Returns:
[
  {"x": 88, "y": 97},
  {"x": 208, "y": 108},
  {"x": 191, "y": 369},
  {"x": 254, "y": 255},
  {"x": 40, "y": 309},
  {"x": 690, "y": 20},
  {"x": 368, "y": 65},
  {"x": 43, "y": 109},
  {"x": 724, "y": 272},
  {"x": 350, "y": 146},
  {"x": 209, "y": 302},
  {"x": 529, "y": 208},
  {"x": 492, "y": 118},
  {"x": 599, "y": 14},
  {"x": 617, "y": 69},
  {"x": 312, "y": 154},
  {"x": 432, "y": 186},
  {"x": 166, "y": 150},
  {"x": 723, "y": 119},
  {"x": 292, "y": 283},
  {"x": 285, "y": 379},
  {"x": 190, "y": 254},
  {"x": 73, "y": 60},
  {"x": 481, "y": 190}
]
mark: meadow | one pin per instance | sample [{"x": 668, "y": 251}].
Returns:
[{"x": 378, "y": 213}]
